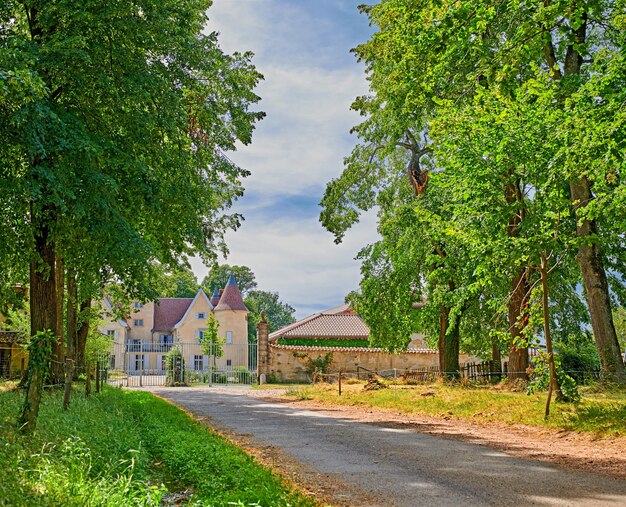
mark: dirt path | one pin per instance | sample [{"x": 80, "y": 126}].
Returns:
[
  {"x": 571, "y": 450},
  {"x": 374, "y": 460}
]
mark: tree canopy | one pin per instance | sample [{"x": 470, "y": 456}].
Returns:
[
  {"x": 490, "y": 145},
  {"x": 115, "y": 120}
]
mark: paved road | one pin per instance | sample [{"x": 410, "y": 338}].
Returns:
[{"x": 399, "y": 467}]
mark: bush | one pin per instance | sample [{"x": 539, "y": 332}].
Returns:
[
  {"x": 241, "y": 375},
  {"x": 580, "y": 362},
  {"x": 175, "y": 368},
  {"x": 540, "y": 378}
]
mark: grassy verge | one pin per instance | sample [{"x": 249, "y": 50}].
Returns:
[
  {"x": 122, "y": 448},
  {"x": 602, "y": 412}
]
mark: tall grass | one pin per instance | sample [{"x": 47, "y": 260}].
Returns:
[{"x": 119, "y": 448}]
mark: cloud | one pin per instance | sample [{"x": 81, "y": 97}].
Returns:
[{"x": 302, "y": 48}]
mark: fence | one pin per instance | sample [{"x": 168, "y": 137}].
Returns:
[
  {"x": 150, "y": 364},
  {"x": 485, "y": 371}
]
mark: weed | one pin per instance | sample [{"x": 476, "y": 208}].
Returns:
[{"x": 103, "y": 451}]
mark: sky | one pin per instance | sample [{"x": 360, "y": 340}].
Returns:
[{"x": 302, "y": 49}]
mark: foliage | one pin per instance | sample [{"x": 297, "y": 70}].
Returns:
[
  {"x": 210, "y": 341},
  {"x": 18, "y": 320},
  {"x": 114, "y": 123},
  {"x": 516, "y": 116},
  {"x": 218, "y": 275},
  {"x": 620, "y": 327},
  {"x": 175, "y": 367},
  {"x": 320, "y": 363},
  {"x": 579, "y": 358},
  {"x": 118, "y": 448},
  {"x": 540, "y": 378},
  {"x": 277, "y": 313},
  {"x": 39, "y": 352},
  {"x": 179, "y": 282},
  {"x": 324, "y": 342}
]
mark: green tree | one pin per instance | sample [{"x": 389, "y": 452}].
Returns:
[
  {"x": 278, "y": 313},
  {"x": 430, "y": 60},
  {"x": 210, "y": 341},
  {"x": 178, "y": 283},
  {"x": 114, "y": 126},
  {"x": 218, "y": 275}
]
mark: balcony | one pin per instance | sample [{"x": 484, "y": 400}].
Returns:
[{"x": 149, "y": 347}]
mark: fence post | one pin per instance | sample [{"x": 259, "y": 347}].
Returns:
[
  {"x": 97, "y": 376},
  {"x": 339, "y": 382},
  {"x": 68, "y": 383},
  {"x": 212, "y": 368},
  {"x": 142, "y": 364}
]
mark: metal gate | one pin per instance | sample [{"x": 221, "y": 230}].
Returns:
[{"x": 144, "y": 364}]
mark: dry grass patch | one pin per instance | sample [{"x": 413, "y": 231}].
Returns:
[{"x": 600, "y": 411}]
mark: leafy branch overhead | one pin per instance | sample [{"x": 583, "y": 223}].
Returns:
[{"x": 490, "y": 146}]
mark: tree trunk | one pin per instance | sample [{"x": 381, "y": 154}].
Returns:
[
  {"x": 589, "y": 257},
  {"x": 81, "y": 338},
  {"x": 596, "y": 285},
  {"x": 43, "y": 316},
  {"x": 67, "y": 391},
  {"x": 70, "y": 335},
  {"x": 518, "y": 302},
  {"x": 57, "y": 370},
  {"x": 554, "y": 383},
  {"x": 449, "y": 338},
  {"x": 496, "y": 360}
]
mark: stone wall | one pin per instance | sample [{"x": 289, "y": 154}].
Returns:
[{"x": 290, "y": 363}]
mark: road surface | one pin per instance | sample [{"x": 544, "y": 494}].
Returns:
[{"x": 395, "y": 467}]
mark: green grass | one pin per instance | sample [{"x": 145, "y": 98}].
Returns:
[
  {"x": 122, "y": 448},
  {"x": 602, "y": 412},
  {"x": 324, "y": 342}
]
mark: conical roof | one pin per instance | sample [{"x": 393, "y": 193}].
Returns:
[
  {"x": 231, "y": 297},
  {"x": 215, "y": 298}
]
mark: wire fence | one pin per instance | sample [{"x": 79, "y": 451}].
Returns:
[{"x": 478, "y": 372}]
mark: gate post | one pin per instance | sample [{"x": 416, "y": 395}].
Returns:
[{"x": 263, "y": 351}]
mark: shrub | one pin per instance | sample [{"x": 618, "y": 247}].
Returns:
[
  {"x": 540, "y": 378},
  {"x": 175, "y": 368}
]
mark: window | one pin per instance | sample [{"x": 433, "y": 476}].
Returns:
[
  {"x": 111, "y": 333},
  {"x": 229, "y": 363},
  {"x": 139, "y": 361},
  {"x": 198, "y": 363},
  {"x": 137, "y": 304},
  {"x": 166, "y": 339},
  {"x": 200, "y": 335},
  {"x": 163, "y": 362},
  {"x": 138, "y": 322},
  {"x": 229, "y": 337},
  {"x": 112, "y": 365},
  {"x": 134, "y": 345},
  {"x": 202, "y": 315}
]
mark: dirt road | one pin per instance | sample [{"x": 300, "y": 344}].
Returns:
[{"x": 354, "y": 463}]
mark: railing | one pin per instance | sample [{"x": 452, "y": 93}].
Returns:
[{"x": 149, "y": 347}]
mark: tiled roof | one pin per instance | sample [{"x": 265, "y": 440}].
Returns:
[
  {"x": 169, "y": 311},
  {"x": 9, "y": 337},
  {"x": 231, "y": 297},
  {"x": 338, "y": 322}
]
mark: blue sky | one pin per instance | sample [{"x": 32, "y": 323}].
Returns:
[{"x": 302, "y": 48}]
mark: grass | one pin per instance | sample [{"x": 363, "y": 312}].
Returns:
[
  {"x": 601, "y": 411},
  {"x": 122, "y": 448}
]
